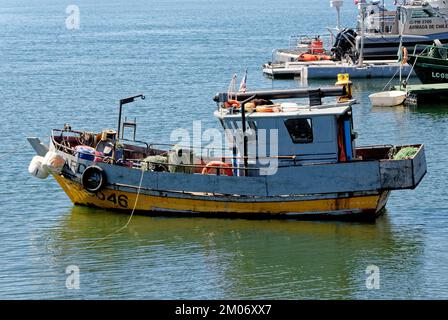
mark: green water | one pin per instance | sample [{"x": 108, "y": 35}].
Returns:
[{"x": 232, "y": 258}]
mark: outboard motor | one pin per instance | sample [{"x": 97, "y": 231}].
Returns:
[{"x": 344, "y": 45}]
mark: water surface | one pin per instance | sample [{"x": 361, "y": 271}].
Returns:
[{"x": 180, "y": 53}]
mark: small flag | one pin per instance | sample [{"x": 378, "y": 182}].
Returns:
[{"x": 243, "y": 83}]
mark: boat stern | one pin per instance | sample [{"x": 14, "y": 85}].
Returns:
[{"x": 403, "y": 171}]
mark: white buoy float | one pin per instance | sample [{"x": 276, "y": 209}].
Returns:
[
  {"x": 53, "y": 162},
  {"x": 37, "y": 168},
  {"x": 41, "y": 167},
  {"x": 387, "y": 98}
]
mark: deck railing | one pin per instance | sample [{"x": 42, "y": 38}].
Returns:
[{"x": 433, "y": 51}]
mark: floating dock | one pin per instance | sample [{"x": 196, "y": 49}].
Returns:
[
  {"x": 330, "y": 69},
  {"x": 425, "y": 89},
  {"x": 426, "y": 92}
]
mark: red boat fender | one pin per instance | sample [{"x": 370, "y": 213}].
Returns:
[{"x": 225, "y": 168}]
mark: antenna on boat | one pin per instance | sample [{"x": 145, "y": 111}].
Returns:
[
  {"x": 362, "y": 9},
  {"x": 337, "y": 4},
  {"x": 243, "y": 122},
  {"x": 123, "y": 102}
]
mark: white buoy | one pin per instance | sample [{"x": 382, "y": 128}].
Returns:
[
  {"x": 37, "y": 169},
  {"x": 53, "y": 162}
]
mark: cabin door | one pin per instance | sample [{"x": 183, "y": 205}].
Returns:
[{"x": 345, "y": 138}]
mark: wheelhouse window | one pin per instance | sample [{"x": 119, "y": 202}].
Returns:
[
  {"x": 300, "y": 130},
  {"x": 422, "y": 14}
]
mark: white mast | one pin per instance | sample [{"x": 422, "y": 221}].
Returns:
[
  {"x": 362, "y": 10},
  {"x": 337, "y": 4}
]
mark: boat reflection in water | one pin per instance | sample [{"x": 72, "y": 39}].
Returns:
[{"x": 206, "y": 258}]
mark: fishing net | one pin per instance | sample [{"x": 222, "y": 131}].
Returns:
[
  {"x": 155, "y": 163},
  {"x": 181, "y": 160},
  {"x": 405, "y": 153}
]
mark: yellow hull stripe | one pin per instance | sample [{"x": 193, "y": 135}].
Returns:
[{"x": 113, "y": 199}]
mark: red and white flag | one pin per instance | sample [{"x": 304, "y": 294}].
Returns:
[{"x": 243, "y": 83}]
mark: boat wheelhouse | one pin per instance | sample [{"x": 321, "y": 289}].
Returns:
[{"x": 309, "y": 167}]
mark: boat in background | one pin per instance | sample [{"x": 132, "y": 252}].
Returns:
[
  {"x": 378, "y": 32},
  {"x": 304, "y": 48},
  {"x": 388, "y": 98},
  {"x": 430, "y": 63},
  {"x": 369, "y": 52}
]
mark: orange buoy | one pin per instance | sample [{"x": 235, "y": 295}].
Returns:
[
  {"x": 404, "y": 59},
  {"x": 212, "y": 168},
  {"x": 264, "y": 109},
  {"x": 232, "y": 103}
]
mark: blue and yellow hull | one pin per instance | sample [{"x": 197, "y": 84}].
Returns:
[{"x": 367, "y": 204}]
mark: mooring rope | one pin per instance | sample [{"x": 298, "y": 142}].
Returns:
[
  {"x": 130, "y": 218},
  {"x": 393, "y": 77},
  {"x": 413, "y": 65},
  {"x": 410, "y": 72}
]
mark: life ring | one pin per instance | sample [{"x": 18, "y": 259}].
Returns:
[
  {"x": 210, "y": 168},
  {"x": 404, "y": 59},
  {"x": 231, "y": 103},
  {"x": 93, "y": 178}
]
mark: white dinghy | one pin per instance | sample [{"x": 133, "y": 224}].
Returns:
[{"x": 387, "y": 98}]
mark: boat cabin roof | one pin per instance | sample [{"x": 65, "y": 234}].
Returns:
[{"x": 299, "y": 110}]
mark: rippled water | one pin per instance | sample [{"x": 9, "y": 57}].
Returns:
[{"x": 180, "y": 53}]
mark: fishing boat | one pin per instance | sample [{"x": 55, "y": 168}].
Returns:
[
  {"x": 293, "y": 154},
  {"x": 430, "y": 63}
]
